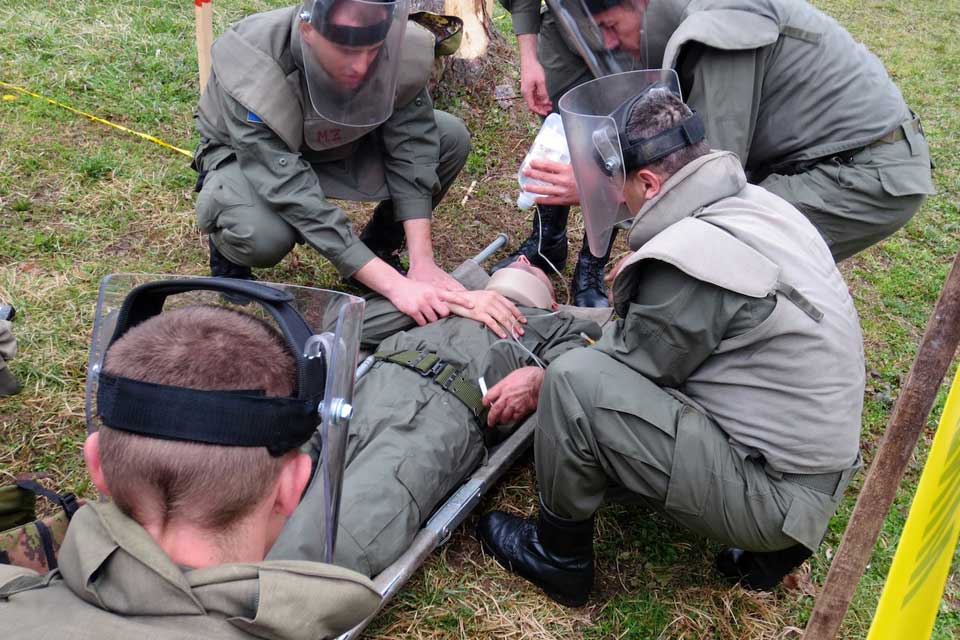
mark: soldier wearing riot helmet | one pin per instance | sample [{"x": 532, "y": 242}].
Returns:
[
  {"x": 728, "y": 395},
  {"x": 328, "y": 100},
  {"x": 552, "y": 61},
  {"x": 196, "y": 413},
  {"x": 811, "y": 113}
]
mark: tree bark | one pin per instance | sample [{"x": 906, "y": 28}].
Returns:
[{"x": 468, "y": 62}]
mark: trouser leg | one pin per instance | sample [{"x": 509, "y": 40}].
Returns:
[
  {"x": 240, "y": 224},
  {"x": 564, "y": 68},
  {"x": 8, "y": 349},
  {"x": 858, "y": 202},
  {"x": 384, "y": 233},
  {"x": 453, "y": 152},
  {"x": 602, "y": 425},
  {"x": 454, "y": 149},
  {"x": 403, "y": 458}
]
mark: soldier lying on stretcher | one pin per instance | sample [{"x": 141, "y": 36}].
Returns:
[{"x": 419, "y": 426}]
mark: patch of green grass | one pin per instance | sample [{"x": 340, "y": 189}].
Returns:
[{"x": 79, "y": 200}]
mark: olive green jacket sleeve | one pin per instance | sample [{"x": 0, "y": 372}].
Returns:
[
  {"x": 290, "y": 186},
  {"x": 675, "y": 322},
  {"x": 724, "y": 88},
  {"x": 411, "y": 154},
  {"x": 525, "y": 15}
]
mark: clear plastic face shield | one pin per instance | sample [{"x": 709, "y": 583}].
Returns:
[
  {"x": 589, "y": 114},
  {"x": 321, "y": 329},
  {"x": 608, "y": 34},
  {"x": 351, "y": 58}
]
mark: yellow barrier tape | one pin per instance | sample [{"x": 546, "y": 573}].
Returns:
[
  {"x": 911, "y": 596},
  {"x": 145, "y": 136}
]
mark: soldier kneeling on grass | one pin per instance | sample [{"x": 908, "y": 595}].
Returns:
[
  {"x": 201, "y": 410},
  {"x": 729, "y": 393}
]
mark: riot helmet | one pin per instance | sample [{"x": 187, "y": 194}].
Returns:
[
  {"x": 320, "y": 329},
  {"x": 595, "y": 117},
  {"x": 602, "y": 29},
  {"x": 351, "y": 57}
]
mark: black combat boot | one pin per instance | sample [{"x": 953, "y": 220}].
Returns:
[
  {"x": 384, "y": 236},
  {"x": 552, "y": 553},
  {"x": 222, "y": 267},
  {"x": 9, "y": 386},
  {"x": 549, "y": 235},
  {"x": 760, "y": 571},
  {"x": 589, "y": 289}
]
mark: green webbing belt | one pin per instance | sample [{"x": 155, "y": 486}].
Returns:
[{"x": 429, "y": 365}]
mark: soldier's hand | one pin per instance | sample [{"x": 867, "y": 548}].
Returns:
[
  {"x": 494, "y": 310},
  {"x": 533, "y": 86},
  {"x": 515, "y": 397},
  {"x": 561, "y": 187},
  {"x": 424, "y": 302},
  {"x": 430, "y": 273}
]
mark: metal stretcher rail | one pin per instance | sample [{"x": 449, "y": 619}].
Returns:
[{"x": 448, "y": 517}]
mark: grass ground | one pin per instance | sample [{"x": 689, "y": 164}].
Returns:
[{"x": 79, "y": 200}]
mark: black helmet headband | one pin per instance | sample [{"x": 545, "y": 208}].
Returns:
[
  {"x": 346, "y": 35},
  {"x": 599, "y": 6},
  {"x": 245, "y": 418},
  {"x": 645, "y": 151}
]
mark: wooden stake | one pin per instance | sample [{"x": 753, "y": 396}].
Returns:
[
  {"x": 906, "y": 423},
  {"x": 203, "y": 13}
]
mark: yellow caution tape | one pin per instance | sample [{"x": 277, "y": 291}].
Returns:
[
  {"x": 911, "y": 596},
  {"x": 145, "y": 136}
]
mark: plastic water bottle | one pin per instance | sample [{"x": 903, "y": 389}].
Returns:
[{"x": 550, "y": 144}]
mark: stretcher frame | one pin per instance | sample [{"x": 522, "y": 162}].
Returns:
[
  {"x": 441, "y": 525},
  {"x": 451, "y": 514}
]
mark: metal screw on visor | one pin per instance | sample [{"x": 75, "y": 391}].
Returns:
[{"x": 339, "y": 409}]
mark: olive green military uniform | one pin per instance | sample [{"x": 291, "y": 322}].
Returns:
[
  {"x": 812, "y": 113},
  {"x": 270, "y": 162},
  {"x": 412, "y": 443},
  {"x": 115, "y": 582},
  {"x": 729, "y": 393},
  {"x": 8, "y": 350},
  {"x": 562, "y": 65},
  {"x": 8, "y": 344}
]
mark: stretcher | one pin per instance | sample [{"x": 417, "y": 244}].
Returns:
[
  {"x": 450, "y": 514},
  {"x": 438, "y": 529}
]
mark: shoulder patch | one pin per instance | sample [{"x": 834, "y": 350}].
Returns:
[{"x": 252, "y": 117}]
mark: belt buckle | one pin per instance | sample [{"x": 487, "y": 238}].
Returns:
[
  {"x": 434, "y": 370},
  {"x": 450, "y": 379}
]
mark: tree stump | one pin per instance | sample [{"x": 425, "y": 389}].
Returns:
[{"x": 468, "y": 62}]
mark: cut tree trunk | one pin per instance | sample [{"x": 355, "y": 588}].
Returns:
[{"x": 468, "y": 62}]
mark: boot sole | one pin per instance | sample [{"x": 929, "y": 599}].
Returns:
[{"x": 561, "y": 598}]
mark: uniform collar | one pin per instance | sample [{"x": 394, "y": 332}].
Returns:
[
  {"x": 700, "y": 183},
  {"x": 111, "y": 562}
]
